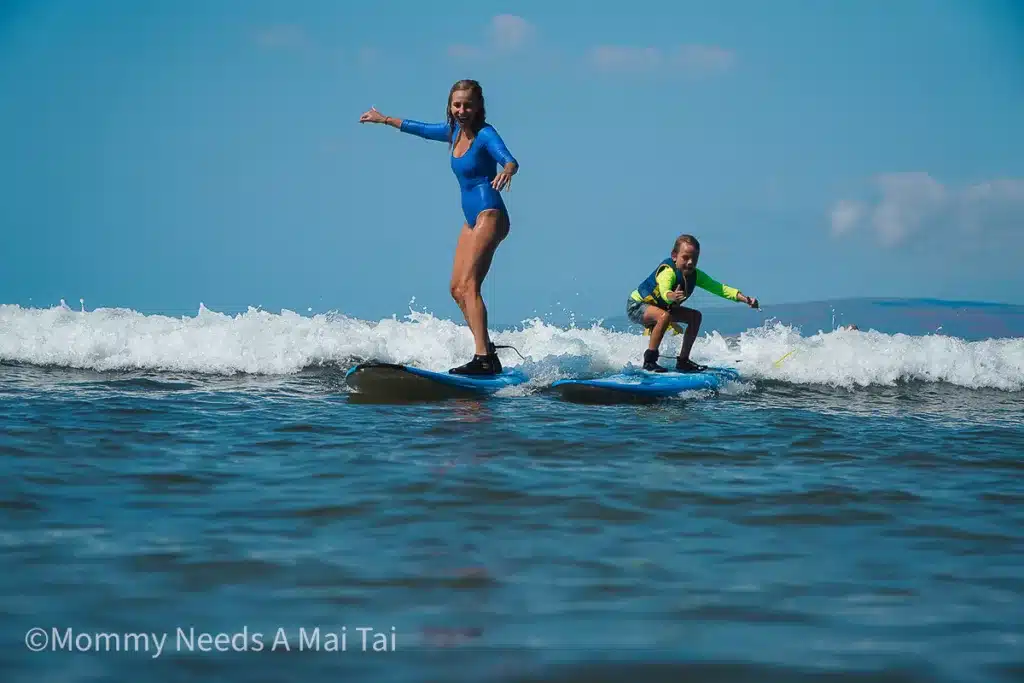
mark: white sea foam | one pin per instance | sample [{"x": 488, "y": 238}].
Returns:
[{"x": 261, "y": 342}]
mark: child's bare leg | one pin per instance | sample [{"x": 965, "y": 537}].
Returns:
[
  {"x": 692, "y": 319},
  {"x": 660, "y": 318}
]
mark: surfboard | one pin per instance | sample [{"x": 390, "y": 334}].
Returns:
[
  {"x": 400, "y": 381},
  {"x": 642, "y": 385}
]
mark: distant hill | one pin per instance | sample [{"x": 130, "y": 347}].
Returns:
[{"x": 964, "y": 319}]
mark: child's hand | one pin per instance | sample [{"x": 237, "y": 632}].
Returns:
[
  {"x": 751, "y": 301},
  {"x": 675, "y": 296}
]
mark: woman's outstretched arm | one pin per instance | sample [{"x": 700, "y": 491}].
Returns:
[
  {"x": 440, "y": 132},
  {"x": 429, "y": 131}
]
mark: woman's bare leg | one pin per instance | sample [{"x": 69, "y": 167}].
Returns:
[{"x": 473, "y": 255}]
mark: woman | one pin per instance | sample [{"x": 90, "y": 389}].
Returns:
[{"x": 476, "y": 152}]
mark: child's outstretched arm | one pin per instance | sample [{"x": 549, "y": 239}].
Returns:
[{"x": 708, "y": 283}]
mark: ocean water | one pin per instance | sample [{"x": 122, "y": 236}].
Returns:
[{"x": 852, "y": 510}]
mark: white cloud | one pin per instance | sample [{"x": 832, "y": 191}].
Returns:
[
  {"x": 510, "y": 32},
  {"x": 908, "y": 201},
  {"x": 506, "y": 33},
  {"x": 845, "y": 216},
  {"x": 281, "y": 36},
  {"x": 703, "y": 59},
  {"x": 625, "y": 58},
  {"x": 692, "y": 60},
  {"x": 913, "y": 203},
  {"x": 993, "y": 205}
]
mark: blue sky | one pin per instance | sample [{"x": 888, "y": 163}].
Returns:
[{"x": 156, "y": 155}]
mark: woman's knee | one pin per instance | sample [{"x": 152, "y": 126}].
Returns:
[{"x": 464, "y": 288}]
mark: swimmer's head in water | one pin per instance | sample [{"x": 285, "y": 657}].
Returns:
[
  {"x": 685, "y": 253},
  {"x": 466, "y": 105}
]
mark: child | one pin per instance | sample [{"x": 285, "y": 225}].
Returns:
[{"x": 656, "y": 302}]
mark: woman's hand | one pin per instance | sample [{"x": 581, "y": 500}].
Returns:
[
  {"x": 504, "y": 177},
  {"x": 372, "y": 116}
]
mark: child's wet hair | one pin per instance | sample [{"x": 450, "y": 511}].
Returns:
[{"x": 689, "y": 239}]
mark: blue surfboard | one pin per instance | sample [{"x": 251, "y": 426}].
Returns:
[
  {"x": 399, "y": 381},
  {"x": 642, "y": 384}
]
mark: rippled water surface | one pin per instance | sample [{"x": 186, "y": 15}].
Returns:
[{"x": 771, "y": 532}]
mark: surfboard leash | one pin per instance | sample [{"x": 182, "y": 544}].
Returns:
[{"x": 508, "y": 346}]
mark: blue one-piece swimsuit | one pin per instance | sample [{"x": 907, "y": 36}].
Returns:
[{"x": 476, "y": 169}]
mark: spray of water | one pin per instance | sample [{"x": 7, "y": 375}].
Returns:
[{"x": 261, "y": 342}]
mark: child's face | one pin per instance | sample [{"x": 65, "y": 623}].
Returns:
[{"x": 686, "y": 258}]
